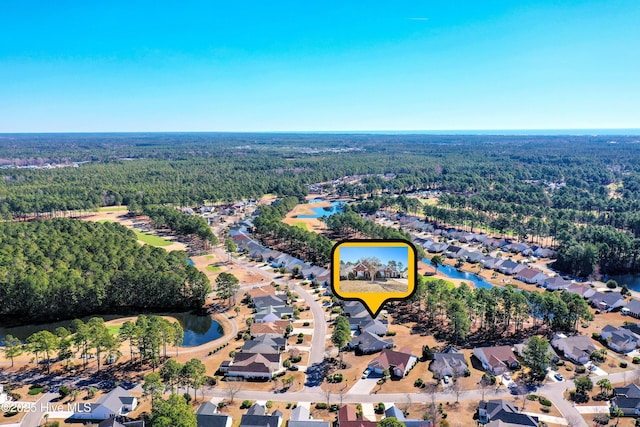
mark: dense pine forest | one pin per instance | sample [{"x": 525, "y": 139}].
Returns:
[
  {"x": 580, "y": 192},
  {"x": 63, "y": 268}
]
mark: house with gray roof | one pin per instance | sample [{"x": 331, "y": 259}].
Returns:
[
  {"x": 632, "y": 309},
  {"x": 510, "y": 267},
  {"x": 556, "y": 283},
  {"x": 263, "y": 301},
  {"x": 491, "y": 263},
  {"x": 394, "y": 412},
  {"x": 301, "y": 417},
  {"x": 113, "y": 404},
  {"x": 607, "y": 301},
  {"x": 368, "y": 342},
  {"x": 619, "y": 339},
  {"x": 450, "y": 362},
  {"x": 256, "y": 417},
  {"x": 121, "y": 422},
  {"x": 627, "y": 399},
  {"x": 577, "y": 348},
  {"x": 501, "y": 412},
  {"x": 208, "y": 416},
  {"x": 264, "y": 345},
  {"x": 271, "y": 314}
]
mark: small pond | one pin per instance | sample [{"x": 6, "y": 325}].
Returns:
[{"x": 198, "y": 329}]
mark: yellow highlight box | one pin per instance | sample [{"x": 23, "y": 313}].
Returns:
[{"x": 373, "y": 272}]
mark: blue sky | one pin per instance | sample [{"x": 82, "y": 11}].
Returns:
[
  {"x": 318, "y": 66},
  {"x": 383, "y": 253}
]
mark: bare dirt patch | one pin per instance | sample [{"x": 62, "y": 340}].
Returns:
[{"x": 376, "y": 286}]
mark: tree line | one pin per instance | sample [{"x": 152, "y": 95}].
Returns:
[
  {"x": 492, "y": 313},
  {"x": 149, "y": 334},
  {"x": 307, "y": 245},
  {"x": 184, "y": 224},
  {"x": 64, "y": 268}
]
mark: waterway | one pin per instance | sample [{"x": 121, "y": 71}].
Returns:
[
  {"x": 336, "y": 207},
  {"x": 631, "y": 280},
  {"x": 449, "y": 271},
  {"x": 198, "y": 329}
]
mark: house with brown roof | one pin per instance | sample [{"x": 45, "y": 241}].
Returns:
[
  {"x": 348, "y": 417},
  {"x": 399, "y": 363},
  {"x": 584, "y": 291},
  {"x": 253, "y": 365},
  {"x": 531, "y": 276},
  {"x": 496, "y": 360},
  {"x": 272, "y": 329}
]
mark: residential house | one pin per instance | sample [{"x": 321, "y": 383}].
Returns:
[
  {"x": 272, "y": 314},
  {"x": 556, "y": 283},
  {"x": 398, "y": 363},
  {"x": 449, "y": 362},
  {"x": 531, "y": 276},
  {"x": 584, "y": 291},
  {"x": 473, "y": 256},
  {"x": 607, "y": 301},
  {"x": 348, "y": 417},
  {"x": 113, "y": 404},
  {"x": 260, "y": 291},
  {"x": 519, "y": 348},
  {"x": 121, "y": 422},
  {"x": 632, "y": 309},
  {"x": 627, "y": 399},
  {"x": 496, "y": 360},
  {"x": 510, "y": 267},
  {"x": 264, "y": 345},
  {"x": 500, "y": 412},
  {"x": 492, "y": 263},
  {"x": 275, "y": 329},
  {"x": 262, "y": 302},
  {"x": 454, "y": 252},
  {"x": 544, "y": 253},
  {"x": 577, "y": 348},
  {"x": 368, "y": 342},
  {"x": 394, "y": 412},
  {"x": 436, "y": 247},
  {"x": 252, "y": 365},
  {"x": 256, "y": 416},
  {"x": 208, "y": 416},
  {"x": 619, "y": 339},
  {"x": 300, "y": 417}
]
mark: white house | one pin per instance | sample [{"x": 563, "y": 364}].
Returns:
[{"x": 117, "y": 402}]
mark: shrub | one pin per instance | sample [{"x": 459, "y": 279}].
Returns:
[
  {"x": 187, "y": 397},
  {"x": 64, "y": 391},
  {"x": 380, "y": 408},
  {"x": 544, "y": 401},
  {"x": 581, "y": 369},
  {"x": 391, "y": 333},
  {"x": 306, "y": 324},
  {"x": 34, "y": 390},
  {"x": 545, "y": 409},
  {"x": 595, "y": 336},
  {"x": 286, "y": 363},
  {"x": 532, "y": 397},
  {"x": 296, "y": 358},
  {"x": 601, "y": 419},
  {"x": 568, "y": 368},
  {"x": 232, "y": 353},
  {"x": 636, "y": 360},
  {"x": 321, "y": 405},
  {"x": 246, "y": 404},
  {"x": 269, "y": 404},
  {"x": 623, "y": 364},
  {"x": 612, "y": 284},
  {"x": 419, "y": 383}
]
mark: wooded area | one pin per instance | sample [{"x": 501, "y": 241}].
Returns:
[
  {"x": 576, "y": 190},
  {"x": 65, "y": 268}
]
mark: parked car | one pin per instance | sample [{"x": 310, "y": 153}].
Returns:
[
  {"x": 558, "y": 376},
  {"x": 366, "y": 373}
]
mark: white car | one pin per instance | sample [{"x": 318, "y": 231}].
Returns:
[{"x": 366, "y": 373}]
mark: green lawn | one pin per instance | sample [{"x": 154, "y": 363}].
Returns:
[
  {"x": 114, "y": 329},
  {"x": 209, "y": 256},
  {"x": 113, "y": 209},
  {"x": 105, "y": 220},
  {"x": 300, "y": 225},
  {"x": 213, "y": 268},
  {"x": 151, "y": 240}
]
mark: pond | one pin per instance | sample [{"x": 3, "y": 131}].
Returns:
[
  {"x": 336, "y": 207},
  {"x": 198, "y": 329},
  {"x": 631, "y": 280},
  {"x": 449, "y": 271}
]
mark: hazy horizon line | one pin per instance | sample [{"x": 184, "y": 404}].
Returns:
[{"x": 497, "y": 132}]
